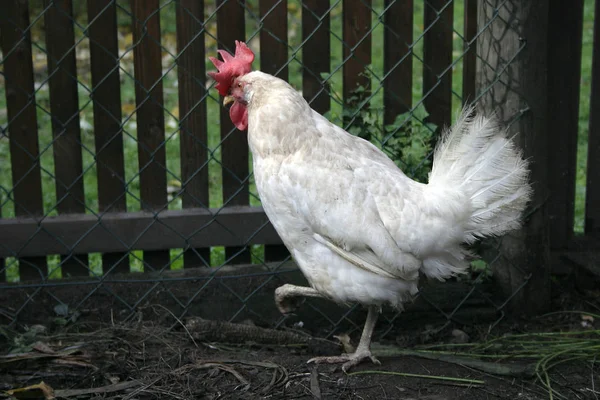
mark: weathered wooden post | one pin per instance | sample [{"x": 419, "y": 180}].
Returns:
[{"x": 512, "y": 70}]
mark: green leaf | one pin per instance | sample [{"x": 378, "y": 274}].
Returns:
[{"x": 420, "y": 113}]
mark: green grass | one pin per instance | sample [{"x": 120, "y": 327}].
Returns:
[
  {"x": 168, "y": 33},
  {"x": 584, "y": 114}
]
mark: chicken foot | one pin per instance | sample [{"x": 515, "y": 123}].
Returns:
[
  {"x": 286, "y": 297},
  {"x": 362, "y": 352}
]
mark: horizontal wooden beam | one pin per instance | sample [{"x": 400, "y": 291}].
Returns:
[
  {"x": 120, "y": 231},
  {"x": 582, "y": 243},
  {"x": 212, "y": 302}
]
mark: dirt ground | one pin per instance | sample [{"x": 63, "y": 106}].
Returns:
[
  {"x": 171, "y": 360},
  {"x": 161, "y": 366}
]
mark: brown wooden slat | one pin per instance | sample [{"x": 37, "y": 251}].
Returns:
[
  {"x": 22, "y": 123},
  {"x": 2, "y": 260},
  {"x": 273, "y": 58},
  {"x": 564, "y": 70},
  {"x": 397, "y": 62},
  {"x": 315, "y": 33},
  {"x": 357, "y": 45},
  {"x": 66, "y": 133},
  {"x": 470, "y": 57},
  {"x": 437, "y": 55},
  {"x": 192, "y": 115},
  {"x": 150, "y": 114},
  {"x": 215, "y": 304},
  {"x": 230, "y": 226},
  {"x": 592, "y": 194},
  {"x": 234, "y": 150},
  {"x": 525, "y": 252},
  {"x": 273, "y": 38},
  {"x": 104, "y": 52}
]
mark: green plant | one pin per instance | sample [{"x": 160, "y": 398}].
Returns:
[
  {"x": 408, "y": 141},
  {"x": 482, "y": 267}
]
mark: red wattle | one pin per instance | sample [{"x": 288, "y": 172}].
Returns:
[{"x": 239, "y": 115}]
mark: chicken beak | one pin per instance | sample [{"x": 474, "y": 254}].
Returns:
[{"x": 227, "y": 100}]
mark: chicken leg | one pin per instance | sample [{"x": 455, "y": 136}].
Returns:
[
  {"x": 283, "y": 299},
  {"x": 362, "y": 352}
]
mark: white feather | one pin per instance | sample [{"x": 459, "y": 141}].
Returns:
[{"x": 478, "y": 158}]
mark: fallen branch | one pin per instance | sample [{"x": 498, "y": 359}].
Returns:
[
  {"x": 472, "y": 382},
  {"x": 40, "y": 352},
  {"x": 228, "y": 332},
  {"x": 226, "y": 368},
  {"x": 42, "y": 390},
  {"x": 515, "y": 370},
  {"x": 117, "y": 387},
  {"x": 315, "y": 388},
  {"x": 279, "y": 378}
]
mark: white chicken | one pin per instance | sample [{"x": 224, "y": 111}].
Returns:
[{"x": 358, "y": 228}]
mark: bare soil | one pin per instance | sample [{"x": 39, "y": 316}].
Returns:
[
  {"x": 162, "y": 359},
  {"x": 170, "y": 366}
]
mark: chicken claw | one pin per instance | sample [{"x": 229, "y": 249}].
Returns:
[
  {"x": 289, "y": 297},
  {"x": 349, "y": 360},
  {"x": 363, "y": 351},
  {"x": 287, "y": 304}
]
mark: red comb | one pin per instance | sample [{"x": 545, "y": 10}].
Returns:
[{"x": 232, "y": 66}]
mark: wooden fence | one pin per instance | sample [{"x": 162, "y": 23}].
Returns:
[
  {"x": 74, "y": 234},
  {"x": 563, "y": 105}
]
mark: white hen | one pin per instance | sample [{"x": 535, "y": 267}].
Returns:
[{"x": 359, "y": 229}]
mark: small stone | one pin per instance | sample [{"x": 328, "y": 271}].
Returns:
[{"x": 459, "y": 337}]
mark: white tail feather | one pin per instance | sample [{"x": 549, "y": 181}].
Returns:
[{"x": 476, "y": 158}]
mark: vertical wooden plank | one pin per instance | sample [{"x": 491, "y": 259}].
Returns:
[
  {"x": 315, "y": 34},
  {"x": 2, "y": 260},
  {"x": 470, "y": 57},
  {"x": 22, "y": 123},
  {"x": 234, "y": 150},
  {"x": 64, "y": 106},
  {"x": 437, "y": 55},
  {"x": 273, "y": 38},
  {"x": 273, "y": 58},
  {"x": 397, "y": 61},
  {"x": 564, "y": 71},
  {"x": 592, "y": 193},
  {"x": 150, "y": 114},
  {"x": 357, "y": 45},
  {"x": 192, "y": 114},
  {"x": 525, "y": 255},
  {"x": 106, "y": 95}
]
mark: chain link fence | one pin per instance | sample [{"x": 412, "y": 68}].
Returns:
[{"x": 123, "y": 184}]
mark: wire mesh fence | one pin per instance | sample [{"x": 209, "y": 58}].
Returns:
[{"x": 124, "y": 184}]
